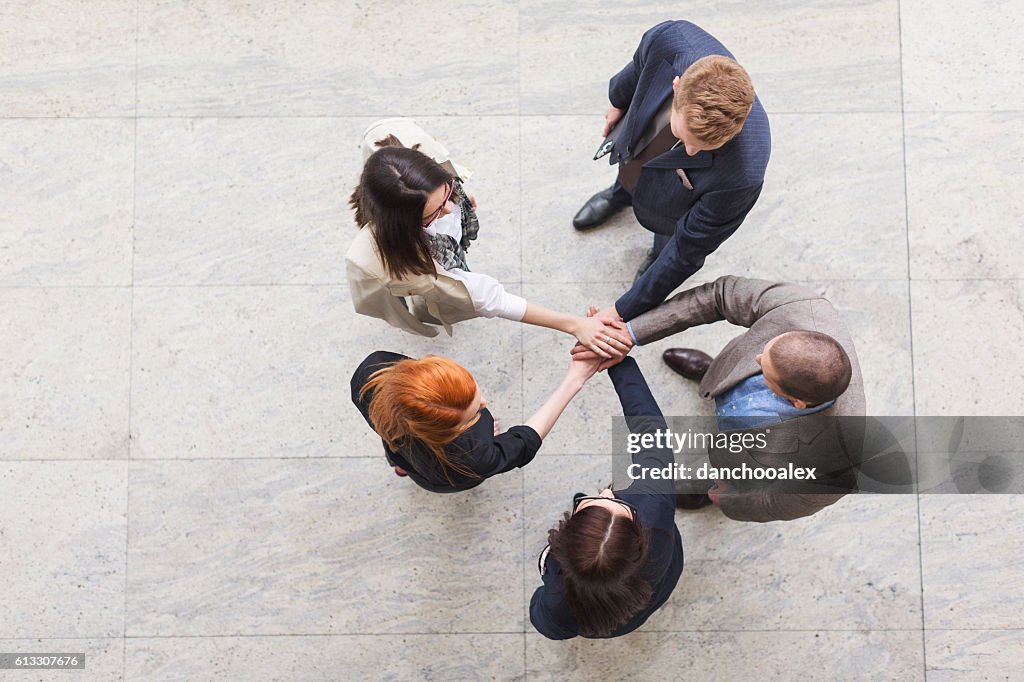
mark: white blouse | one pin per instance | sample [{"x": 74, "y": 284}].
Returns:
[{"x": 488, "y": 295}]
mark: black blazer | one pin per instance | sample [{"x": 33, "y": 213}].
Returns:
[
  {"x": 726, "y": 182},
  {"x": 477, "y": 447},
  {"x": 655, "y": 503}
]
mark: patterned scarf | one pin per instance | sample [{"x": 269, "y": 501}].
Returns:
[{"x": 444, "y": 249}]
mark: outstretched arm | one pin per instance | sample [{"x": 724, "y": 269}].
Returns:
[
  {"x": 710, "y": 221},
  {"x": 634, "y": 394},
  {"x": 577, "y": 374},
  {"x": 740, "y": 300},
  {"x": 606, "y": 340},
  {"x": 643, "y": 416}
]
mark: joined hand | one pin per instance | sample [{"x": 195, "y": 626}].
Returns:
[{"x": 611, "y": 320}]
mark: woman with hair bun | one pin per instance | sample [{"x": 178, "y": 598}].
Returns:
[
  {"x": 615, "y": 558},
  {"x": 435, "y": 424}
]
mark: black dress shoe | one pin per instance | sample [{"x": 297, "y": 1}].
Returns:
[
  {"x": 596, "y": 211},
  {"x": 648, "y": 262},
  {"x": 689, "y": 362}
]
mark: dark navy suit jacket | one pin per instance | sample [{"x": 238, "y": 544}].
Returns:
[
  {"x": 726, "y": 182},
  {"x": 654, "y": 500}
]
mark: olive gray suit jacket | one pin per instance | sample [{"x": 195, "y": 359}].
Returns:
[{"x": 768, "y": 309}]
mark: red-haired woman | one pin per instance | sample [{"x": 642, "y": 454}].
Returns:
[
  {"x": 616, "y": 557},
  {"x": 435, "y": 423}
]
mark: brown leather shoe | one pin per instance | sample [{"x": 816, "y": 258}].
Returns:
[{"x": 689, "y": 362}]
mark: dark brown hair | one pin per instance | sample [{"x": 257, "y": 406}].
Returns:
[
  {"x": 600, "y": 555},
  {"x": 390, "y": 198},
  {"x": 811, "y": 366}
]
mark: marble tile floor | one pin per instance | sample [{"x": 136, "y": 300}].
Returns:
[{"x": 186, "y": 492}]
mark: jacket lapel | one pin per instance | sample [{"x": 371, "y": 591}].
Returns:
[
  {"x": 652, "y": 101},
  {"x": 735, "y": 363}
]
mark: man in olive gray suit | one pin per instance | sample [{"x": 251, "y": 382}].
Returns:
[{"x": 792, "y": 371}]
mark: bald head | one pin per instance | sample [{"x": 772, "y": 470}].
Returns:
[{"x": 807, "y": 366}]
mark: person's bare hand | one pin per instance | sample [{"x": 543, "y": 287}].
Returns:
[
  {"x": 603, "y": 339},
  {"x": 581, "y": 352},
  {"x": 472, "y": 200},
  {"x": 582, "y": 370},
  {"x": 716, "y": 490},
  {"x": 497, "y": 427},
  {"x": 609, "y": 315},
  {"x": 611, "y": 117},
  {"x": 611, "y": 319}
]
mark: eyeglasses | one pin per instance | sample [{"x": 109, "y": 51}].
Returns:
[
  {"x": 580, "y": 500},
  {"x": 542, "y": 559},
  {"x": 433, "y": 216}
]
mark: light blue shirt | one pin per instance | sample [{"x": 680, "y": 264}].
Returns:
[{"x": 751, "y": 404}]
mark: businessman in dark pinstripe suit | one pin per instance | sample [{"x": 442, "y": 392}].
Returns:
[{"x": 692, "y": 142}]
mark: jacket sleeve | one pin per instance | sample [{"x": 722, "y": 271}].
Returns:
[
  {"x": 765, "y": 505},
  {"x": 489, "y": 296},
  {"x": 541, "y": 617},
  {"x": 635, "y": 395},
  {"x": 643, "y": 416},
  {"x": 739, "y": 300},
  {"x": 370, "y": 297},
  {"x": 622, "y": 85},
  {"x": 708, "y": 223},
  {"x": 514, "y": 448}
]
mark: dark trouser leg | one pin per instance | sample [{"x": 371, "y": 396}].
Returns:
[
  {"x": 660, "y": 240},
  {"x": 620, "y": 196}
]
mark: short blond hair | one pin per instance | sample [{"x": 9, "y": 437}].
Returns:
[{"x": 714, "y": 95}]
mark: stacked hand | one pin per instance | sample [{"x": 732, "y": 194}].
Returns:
[
  {"x": 602, "y": 337},
  {"x": 610, "y": 319},
  {"x": 580, "y": 370}
]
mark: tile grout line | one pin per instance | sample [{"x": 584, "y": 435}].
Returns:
[
  {"x": 413, "y": 114},
  {"x": 273, "y": 458},
  {"x": 910, "y": 329},
  {"x": 311, "y": 285},
  {"x": 342, "y": 285},
  {"x": 131, "y": 352},
  {"x": 522, "y": 333},
  {"x": 243, "y": 635}
]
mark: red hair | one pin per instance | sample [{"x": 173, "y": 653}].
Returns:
[{"x": 422, "y": 400}]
